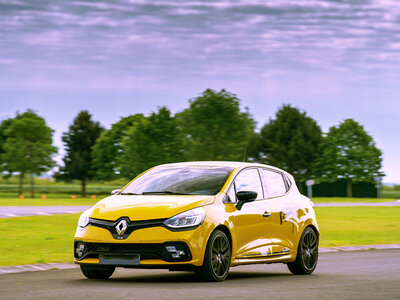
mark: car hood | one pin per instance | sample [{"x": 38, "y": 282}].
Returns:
[{"x": 146, "y": 207}]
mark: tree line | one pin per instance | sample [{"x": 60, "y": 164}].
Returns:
[{"x": 213, "y": 127}]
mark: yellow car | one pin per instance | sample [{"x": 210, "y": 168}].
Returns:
[{"x": 200, "y": 216}]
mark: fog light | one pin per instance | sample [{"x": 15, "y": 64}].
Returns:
[
  {"x": 171, "y": 248},
  {"x": 174, "y": 252},
  {"x": 178, "y": 254},
  {"x": 80, "y": 248}
]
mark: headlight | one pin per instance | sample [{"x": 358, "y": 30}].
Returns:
[
  {"x": 188, "y": 218},
  {"x": 84, "y": 219}
]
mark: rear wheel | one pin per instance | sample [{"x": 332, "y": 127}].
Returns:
[
  {"x": 307, "y": 253},
  {"x": 97, "y": 272},
  {"x": 217, "y": 259}
]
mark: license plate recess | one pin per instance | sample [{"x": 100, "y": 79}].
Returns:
[{"x": 131, "y": 260}]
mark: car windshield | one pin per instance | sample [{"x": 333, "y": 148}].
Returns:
[{"x": 188, "y": 180}]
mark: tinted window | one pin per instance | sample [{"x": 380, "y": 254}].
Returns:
[
  {"x": 288, "y": 182},
  {"x": 273, "y": 183},
  {"x": 249, "y": 180},
  {"x": 189, "y": 180}
]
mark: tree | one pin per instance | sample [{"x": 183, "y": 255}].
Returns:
[
  {"x": 291, "y": 141},
  {"x": 108, "y": 150},
  {"x": 79, "y": 140},
  {"x": 152, "y": 141},
  {"x": 27, "y": 147},
  {"x": 349, "y": 152},
  {"x": 215, "y": 127},
  {"x": 253, "y": 148},
  {"x": 4, "y": 168}
]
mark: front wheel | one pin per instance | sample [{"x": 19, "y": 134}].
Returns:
[
  {"x": 217, "y": 258},
  {"x": 307, "y": 253},
  {"x": 97, "y": 272}
]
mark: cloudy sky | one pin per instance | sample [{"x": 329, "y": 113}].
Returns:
[{"x": 332, "y": 59}]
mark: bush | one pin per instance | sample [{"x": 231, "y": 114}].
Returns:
[{"x": 338, "y": 189}]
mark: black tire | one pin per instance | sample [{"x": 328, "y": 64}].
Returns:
[
  {"x": 217, "y": 259},
  {"x": 97, "y": 272},
  {"x": 307, "y": 253}
]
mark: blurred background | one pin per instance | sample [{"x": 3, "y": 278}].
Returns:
[
  {"x": 94, "y": 92},
  {"x": 331, "y": 60}
]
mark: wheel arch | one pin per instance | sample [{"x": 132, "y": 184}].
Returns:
[
  {"x": 207, "y": 271},
  {"x": 313, "y": 227},
  {"x": 309, "y": 223},
  {"x": 225, "y": 230}
]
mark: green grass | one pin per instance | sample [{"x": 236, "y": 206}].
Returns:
[
  {"x": 63, "y": 189},
  {"x": 43, "y": 239},
  {"x": 391, "y": 194},
  {"x": 48, "y": 202},
  {"x": 351, "y": 226},
  {"x": 38, "y": 239},
  {"x": 51, "y": 196},
  {"x": 341, "y": 200},
  {"x": 54, "y": 200}
]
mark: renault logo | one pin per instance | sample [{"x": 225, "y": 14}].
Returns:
[{"x": 121, "y": 227}]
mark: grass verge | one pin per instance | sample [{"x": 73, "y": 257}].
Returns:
[
  {"x": 39, "y": 239},
  {"x": 342, "y": 200},
  {"x": 43, "y": 239},
  {"x": 60, "y": 188},
  {"x": 391, "y": 194},
  {"x": 48, "y": 202},
  {"x": 14, "y": 201},
  {"x": 352, "y": 226}
]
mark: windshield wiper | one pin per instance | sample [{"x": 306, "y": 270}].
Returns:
[
  {"x": 128, "y": 194},
  {"x": 164, "y": 192}
]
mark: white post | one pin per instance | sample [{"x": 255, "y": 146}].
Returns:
[
  {"x": 309, "y": 184},
  {"x": 378, "y": 186}
]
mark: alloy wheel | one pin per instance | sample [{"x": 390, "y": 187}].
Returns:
[
  {"x": 310, "y": 249},
  {"x": 220, "y": 256}
]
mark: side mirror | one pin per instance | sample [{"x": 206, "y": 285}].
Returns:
[
  {"x": 115, "y": 192},
  {"x": 244, "y": 197}
]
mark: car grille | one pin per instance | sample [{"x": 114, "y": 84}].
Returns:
[
  {"x": 146, "y": 251},
  {"x": 124, "y": 249},
  {"x": 131, "y": 225}
]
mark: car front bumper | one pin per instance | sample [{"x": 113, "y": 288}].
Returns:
[{"x": 147, "y": 247}]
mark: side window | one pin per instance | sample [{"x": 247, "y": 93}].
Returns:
[
  {"x": 231, "y": 197},
  {"x": 274, "y": 184},
  {"x": 288, "y": 182},
  {"x": 249, "y": 180}
]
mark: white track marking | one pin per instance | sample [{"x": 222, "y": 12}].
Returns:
[{"x": 9, "y": 215}]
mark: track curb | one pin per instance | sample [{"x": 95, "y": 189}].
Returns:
[
  {"x": 359, "y": 248},
  {"x": 66, "y": 266},
  {"x": 37, "y": 267}
]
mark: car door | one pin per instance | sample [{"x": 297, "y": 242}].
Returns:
[
  {"x": 251, "y": 230},
  {"x": 279, "y": 206}
]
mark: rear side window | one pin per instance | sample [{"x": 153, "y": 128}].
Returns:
[
  {"x": 249, "y": 180},
  {"x": 274, "y": 184},
  {"x": 288, "y": 182}
]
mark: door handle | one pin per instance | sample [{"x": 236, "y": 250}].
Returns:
[{"x": 266, "y": 214}]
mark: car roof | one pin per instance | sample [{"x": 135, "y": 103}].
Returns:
[{"x": 229, "y": 164}]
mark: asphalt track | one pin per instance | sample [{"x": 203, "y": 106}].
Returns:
[{"x": 371, "y": 274}]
